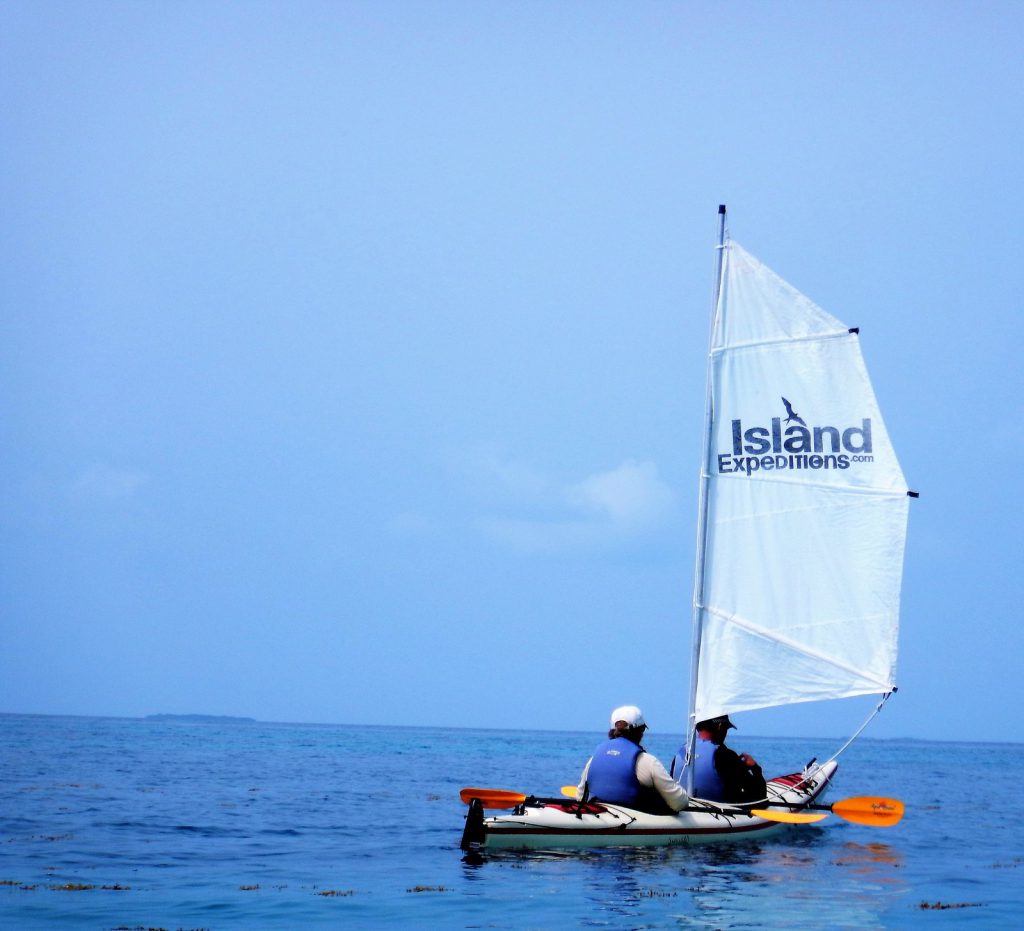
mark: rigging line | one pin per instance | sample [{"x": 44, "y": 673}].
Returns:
[
  {"x": 619, "y": 814},
  {"x": 860, "y": 729},
  {"x": 722, "y": 809},
  {"x": 774, "y": 796},
  {"x": 777, "y": 796}
]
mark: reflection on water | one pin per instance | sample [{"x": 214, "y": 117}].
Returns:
[
  {"x": 869, "y": 859},
  {"x": 775, "y": 883}
]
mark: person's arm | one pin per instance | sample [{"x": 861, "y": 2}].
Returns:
[
  {"x": 754, "y": 783},
  {"x": 650, "y": 772},
  {"x": 741, "y": 776}
]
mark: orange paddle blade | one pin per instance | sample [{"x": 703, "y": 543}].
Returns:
[
  {"x": 569, "y": 791},
  {"x": 493, "y": 798},
  {"x": 789, "y": 817},
  {"x": 871, "y": 810}
]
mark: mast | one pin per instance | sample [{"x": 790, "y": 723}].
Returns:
[{"x": 702, "y": 506}]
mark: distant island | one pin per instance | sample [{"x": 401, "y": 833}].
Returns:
[{"x": 205, "y": 718}]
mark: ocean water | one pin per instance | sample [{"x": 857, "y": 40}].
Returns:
[{"x": 140, "y": 824}]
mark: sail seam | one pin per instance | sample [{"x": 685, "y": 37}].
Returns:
[
  {"x": 782, "y": 340},
  {"x": 850, "y": 489},
  {"x": 752, "y": 628}
]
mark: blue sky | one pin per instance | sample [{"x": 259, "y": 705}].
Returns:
[{"x": 352, "y": 354}]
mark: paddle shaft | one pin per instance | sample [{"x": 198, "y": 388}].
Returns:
[{"x": 871, "y": 810}]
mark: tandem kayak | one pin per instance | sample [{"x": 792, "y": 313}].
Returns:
[{"x": 547, "y": 822}]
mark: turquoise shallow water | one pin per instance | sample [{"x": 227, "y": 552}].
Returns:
[{"x": 115, "y": 823}]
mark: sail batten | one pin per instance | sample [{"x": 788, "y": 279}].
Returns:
[
  {"x": 789, "y": 340},
  {"x": 849, "y": 489},
  {"x": 805, "y": 511}
]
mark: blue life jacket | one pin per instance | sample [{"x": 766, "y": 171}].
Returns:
[
  {"x": 706, "y": 781},
  {"x": 612, "y": 773}
]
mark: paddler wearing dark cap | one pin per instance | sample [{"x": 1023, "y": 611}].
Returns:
[{"x": 721, "y": 774}]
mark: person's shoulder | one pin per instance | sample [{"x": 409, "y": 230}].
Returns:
[{"x": 646, "y": 758}]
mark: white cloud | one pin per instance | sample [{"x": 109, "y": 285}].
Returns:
[
  {"x": 551, "y": 536},
  {"x": 604, "y": 509},
  {"x": 490, "y": 465},
  {"x": 632, "y": 494}
]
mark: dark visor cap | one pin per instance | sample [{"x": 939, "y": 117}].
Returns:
[{"x": 721, "y": 723}]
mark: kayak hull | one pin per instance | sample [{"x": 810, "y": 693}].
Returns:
[{"x": 553, "y": 823}]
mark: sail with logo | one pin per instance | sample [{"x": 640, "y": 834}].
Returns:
[{"x": 803, "y": 511}]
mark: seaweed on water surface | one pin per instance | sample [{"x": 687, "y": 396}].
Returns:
[
  {"x": 944, "y": 905},
  {"x": 151, "y": 928}
]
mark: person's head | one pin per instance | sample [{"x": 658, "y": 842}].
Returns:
[
  {"x": 714, "y": 729},
  {"x": 628, "y": 721}
]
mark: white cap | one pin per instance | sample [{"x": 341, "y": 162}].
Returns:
[{"x": 632, "y": 715}]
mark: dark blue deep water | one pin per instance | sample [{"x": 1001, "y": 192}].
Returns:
[{"x": 138, "y": 824}]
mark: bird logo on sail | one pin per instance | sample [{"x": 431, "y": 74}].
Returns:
[
  {"x": 789, "y": 444},
  {"x": 791, "y": 414}
]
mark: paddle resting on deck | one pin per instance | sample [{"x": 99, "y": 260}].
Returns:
[{"x": 870, "y": 810}]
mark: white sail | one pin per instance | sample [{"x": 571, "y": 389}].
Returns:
[{"x": 806, "y": 507}]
